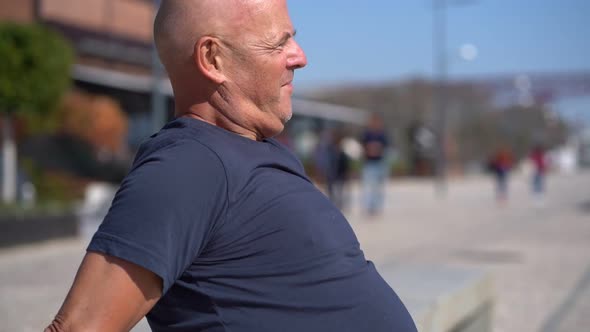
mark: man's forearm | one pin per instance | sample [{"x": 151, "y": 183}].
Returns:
[{"x": 108, "y": 294}]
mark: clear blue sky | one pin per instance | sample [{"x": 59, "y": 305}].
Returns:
[{"x": 382, "y": 40}]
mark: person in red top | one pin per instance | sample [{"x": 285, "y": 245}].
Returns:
[{"x": 539, "y": 161}]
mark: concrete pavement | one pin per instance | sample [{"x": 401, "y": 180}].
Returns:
[{"x": 539, "y": 256}]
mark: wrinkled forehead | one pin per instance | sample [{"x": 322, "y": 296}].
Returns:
[
  {"x": 260, "y": 17},
  {"x": 247, "y": 11},
  {"x": 255, "y": 6}
]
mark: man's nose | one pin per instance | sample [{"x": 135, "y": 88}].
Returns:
[{"x": 298, "y": 59}]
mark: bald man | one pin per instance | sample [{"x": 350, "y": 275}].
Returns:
[{"x": 217, "y": 227}]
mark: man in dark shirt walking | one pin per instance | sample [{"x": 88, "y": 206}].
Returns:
[
  {"x": 374, "y": 174},
  {"x": 217, "y": 227}
]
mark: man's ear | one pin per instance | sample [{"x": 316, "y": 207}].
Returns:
[{"x": 208, "y": 58}]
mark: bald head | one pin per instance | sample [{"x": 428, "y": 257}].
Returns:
[
  {"x": 230, "y": 62},
  {"x": 180, "y": 23}
]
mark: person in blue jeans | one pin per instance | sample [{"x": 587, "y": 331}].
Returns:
[
  {"x": 501, "y": 164},
  {"x": 217, "y": 227},
  {"x": 374, "y": 172}
]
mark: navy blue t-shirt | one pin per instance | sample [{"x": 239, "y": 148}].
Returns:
[
  {"x": 374, "y": 137},
  {"x": 242, "y": 240}
]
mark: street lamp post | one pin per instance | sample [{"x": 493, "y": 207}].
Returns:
[
  {"x": 440, "y": 62},
  {"x": 439, "y": 40}
]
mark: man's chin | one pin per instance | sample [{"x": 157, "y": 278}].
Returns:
[
  {"x": 287, "y": 117},
  {"x": 286, "y": 110}
]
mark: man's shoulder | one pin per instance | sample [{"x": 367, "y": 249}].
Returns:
[
  {"x": 183, "y": 139},
  {"x": 193, "y": 142},
  {"x": 177, "y": 154}
]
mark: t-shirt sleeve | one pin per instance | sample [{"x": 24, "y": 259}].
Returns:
[{"x": 165, "y": 210}]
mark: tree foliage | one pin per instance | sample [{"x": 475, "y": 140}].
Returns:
[
  {"x": 34, "y": 70},
  {"x": 97, "y": 120}
]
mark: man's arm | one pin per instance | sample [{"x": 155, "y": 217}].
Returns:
[{"x": 108, "y": 294}]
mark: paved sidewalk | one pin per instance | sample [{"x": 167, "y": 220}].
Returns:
[{"x": 538, "y": 255}]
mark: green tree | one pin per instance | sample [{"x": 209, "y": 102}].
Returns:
[{"x": 34, "y": 74}]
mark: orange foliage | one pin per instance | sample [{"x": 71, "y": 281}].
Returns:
[{"x": 99, "y": 120}]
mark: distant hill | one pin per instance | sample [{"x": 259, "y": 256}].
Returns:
[{"x": 475, "y": 125}]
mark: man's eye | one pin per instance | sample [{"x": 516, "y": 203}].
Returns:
[{"x": 283, "y": 43}]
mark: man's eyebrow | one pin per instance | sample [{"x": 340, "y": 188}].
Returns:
[{"x": 287, "y": 35}]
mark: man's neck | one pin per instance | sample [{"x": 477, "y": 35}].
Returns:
[{"x": 216, "y": 119}]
